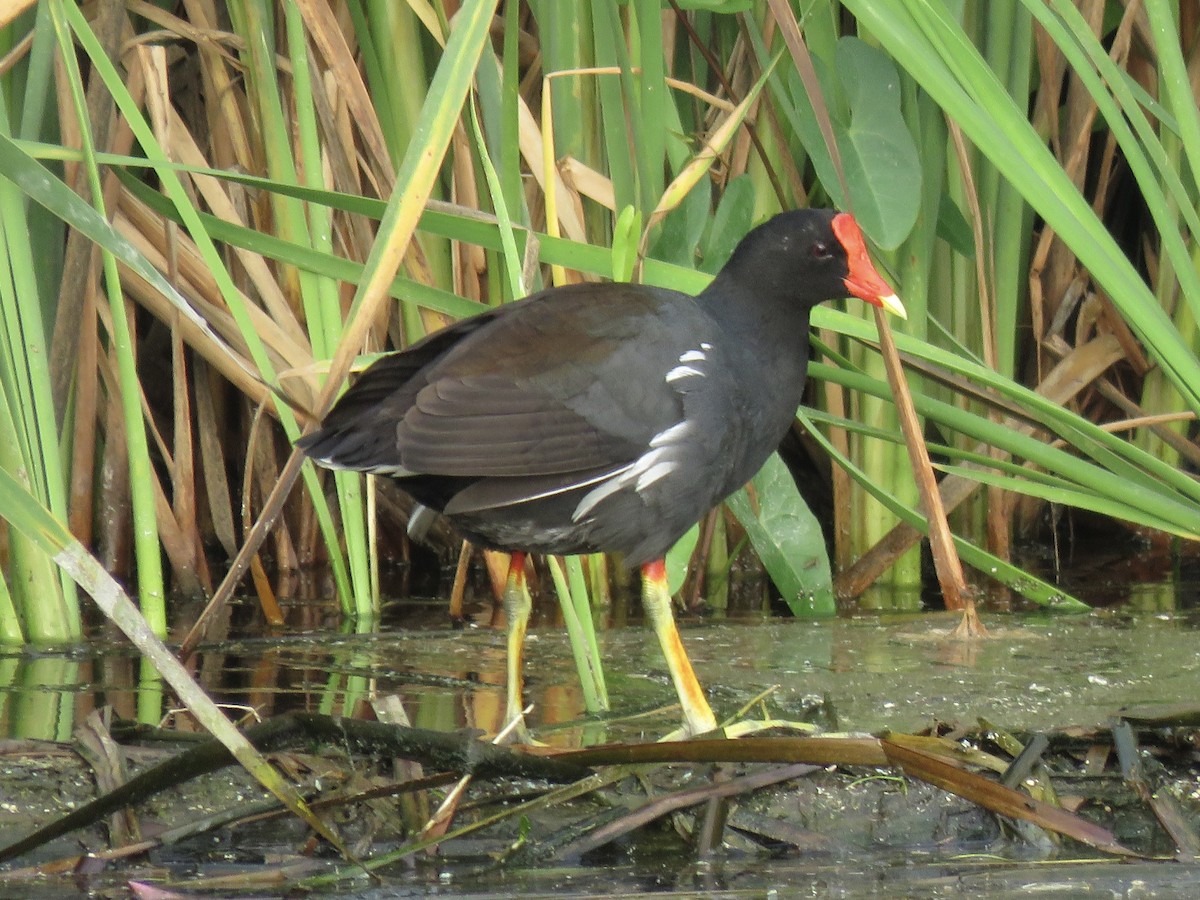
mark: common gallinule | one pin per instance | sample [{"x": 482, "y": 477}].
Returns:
[{"x": 605, "y": 417}]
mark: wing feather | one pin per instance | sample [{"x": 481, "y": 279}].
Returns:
[
  {"x": 492, "y": 426},
  {"x": 540, "y": 389}
]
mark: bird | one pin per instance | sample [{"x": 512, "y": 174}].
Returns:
[{"x": 605, "y": 417}]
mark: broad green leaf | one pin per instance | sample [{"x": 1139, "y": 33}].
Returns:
[
  {"x": 788, "y": 539},
  {"x": 882, "y": 166},
  {"x": 880, "y": 159}
]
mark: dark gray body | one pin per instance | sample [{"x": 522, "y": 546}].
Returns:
[{"x": 597, "y": 417}]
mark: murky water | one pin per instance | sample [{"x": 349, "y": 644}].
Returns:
[
  {"x": 899, "y": 672},
  {"x": 862, "y": 674}
]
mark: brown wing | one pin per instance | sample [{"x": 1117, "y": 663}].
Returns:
[{"x": 548, "y": 390}]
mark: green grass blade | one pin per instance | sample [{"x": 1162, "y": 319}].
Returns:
[
  {"x": 926, "y": 41},
  {"x": 1022, "y": 582},
  {"x": 147, "y": 547}
]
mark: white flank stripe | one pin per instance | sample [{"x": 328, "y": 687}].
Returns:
[
  {"x": 669, "y": 435},
  {"x": 682, "y": 372},
  {"x": 655, "y": 472},
  {"x": 692, "y": 356},
  {"x": 594, "y": 496},
  {"x": 653, "y": 465}
]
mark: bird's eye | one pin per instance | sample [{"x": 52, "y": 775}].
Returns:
[{"x": 820, "y": 250}]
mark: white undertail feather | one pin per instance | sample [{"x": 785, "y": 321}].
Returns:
[
  {"x": 420, "y": 520},
  {"x": 380, "y": 469}
]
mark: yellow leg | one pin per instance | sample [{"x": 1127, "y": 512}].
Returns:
[
  {"x": 517, "y": 606},
  {"x": 656, "y": 600}
]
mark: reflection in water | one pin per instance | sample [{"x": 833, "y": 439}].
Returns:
[
  {"x": 896, "y": 672},
  {"x": 39, "y": 697}
]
